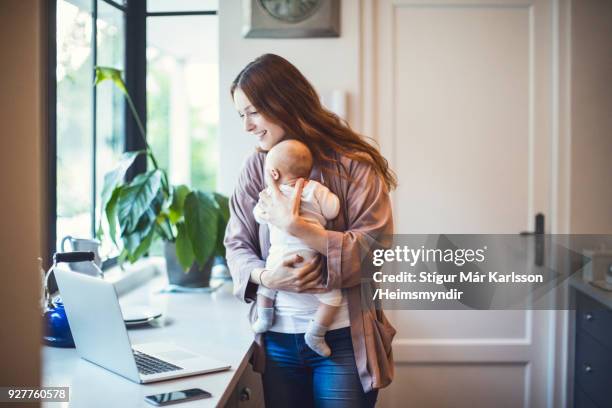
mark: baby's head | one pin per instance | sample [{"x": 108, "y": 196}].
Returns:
[{"x": 288, "y": 161}]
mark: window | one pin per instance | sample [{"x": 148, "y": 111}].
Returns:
[
  {"x": 181, "y": 6},
  {"x": 110, "y": 105},
  {"x": 91, "y": 127},
  {"x": 74, "y": 119},
  {"x": 90, "y": 132},
  {"x": 182, "y": 92}
]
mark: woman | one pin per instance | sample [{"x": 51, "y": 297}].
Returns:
[{"x": 276, "y": 102}]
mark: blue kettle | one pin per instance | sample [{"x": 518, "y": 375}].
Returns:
[{"x": 56, "y": 330}]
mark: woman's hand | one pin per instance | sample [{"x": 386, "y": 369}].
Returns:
[
  {"x": 281, "y": 211},
  {"x": 301, "y": 279}
]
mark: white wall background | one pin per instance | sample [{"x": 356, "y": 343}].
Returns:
[
  {"x": 329, "y": 63},
  {"x": 339, "y": 63},
  {"x": 591, "y": 117}
]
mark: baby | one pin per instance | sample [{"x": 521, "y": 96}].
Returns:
[{"x": 287, "y": 162}]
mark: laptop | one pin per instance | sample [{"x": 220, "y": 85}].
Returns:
[{"x": 101, "y": 337}]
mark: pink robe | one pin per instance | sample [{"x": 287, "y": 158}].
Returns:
[{"x": 365, "y": 221}]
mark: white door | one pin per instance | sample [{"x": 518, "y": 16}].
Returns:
[{"x": 463, "y": 108}]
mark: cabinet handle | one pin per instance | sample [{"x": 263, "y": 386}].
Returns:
[
  {"x": 588, "y": 317},
  {"x": 587, "y": 368},
  {"x": 245, "y": 394}
]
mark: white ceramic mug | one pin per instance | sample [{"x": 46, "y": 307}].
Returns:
[{"x": 86, "y": 245}]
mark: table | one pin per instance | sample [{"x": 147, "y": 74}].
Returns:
[{"x": 213, "y": 324}]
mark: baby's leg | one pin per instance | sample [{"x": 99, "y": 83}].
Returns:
[
  {"x": 324, "y": 317},
  {"x": 264, "y": 301},
  {"x": 325, "y": 314},
  {"x": 265, "y": 310}
]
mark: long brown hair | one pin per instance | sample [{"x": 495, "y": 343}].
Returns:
[{"x": 280, "y": 93}]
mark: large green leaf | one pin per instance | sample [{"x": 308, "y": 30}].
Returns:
[
  {"x": 201, "y": 221},
  {"x": 224, "y": 214},
  {"x": 178, "y": 203},
  {"x": 145, "y": 244},
  {"x": 184, "y": 250},
  {"x": 136, "y": 198},
  {"x": 112, "y": 180},
  {"x": 131, "y": 243},
  {"x": 223, "y": 203},
  {"x": 138, "y": 242},
  {"x": 117, "y": 175},
  {"x": 111, "y": 214},
  {"x": 158, "y": 202}
]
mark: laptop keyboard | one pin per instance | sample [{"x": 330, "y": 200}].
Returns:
[{"x": 150, "y": 365}]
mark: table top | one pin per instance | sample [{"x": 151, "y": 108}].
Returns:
[
  {"x": 212, "y": 324},
  {"x": 600, "y": 295}
]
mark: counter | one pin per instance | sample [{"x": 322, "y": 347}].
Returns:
[
  {"x": 602, "y": 296},
  {"x": 592, "y": 354},
  {"x": 212, "y": 324}
]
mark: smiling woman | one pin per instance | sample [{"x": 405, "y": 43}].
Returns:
[
  {"x": 265, "y": 131},
  {"x": 277, "y": 103}
]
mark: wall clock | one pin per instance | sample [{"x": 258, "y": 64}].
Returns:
[{"x": 291, "y": 18}]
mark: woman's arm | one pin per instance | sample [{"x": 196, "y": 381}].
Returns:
[
  {"x": 369, "y": 226},
  {"x": 242, "y": 248},
  {"x": 288, "y": 277}
]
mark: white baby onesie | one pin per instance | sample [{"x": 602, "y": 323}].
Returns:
[{"x": 318, "y": 205}]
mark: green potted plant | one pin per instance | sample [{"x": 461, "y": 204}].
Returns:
[{"x": 190, "y": 222}]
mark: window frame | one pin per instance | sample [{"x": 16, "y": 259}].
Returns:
[{"x": 136, "y": 17}]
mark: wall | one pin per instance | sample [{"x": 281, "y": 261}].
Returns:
[
  {"x": 591, "y": 118},
  {"x": 329, "y": 63},
  {"x": 21, "y": 166}
]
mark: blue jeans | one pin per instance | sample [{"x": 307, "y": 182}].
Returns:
[{"x": 296, "y": 376}]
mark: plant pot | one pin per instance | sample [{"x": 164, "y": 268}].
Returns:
[{"x": 195, "y": 278}]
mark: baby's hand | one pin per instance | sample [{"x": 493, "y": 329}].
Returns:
[{"x": 280, "y": 211}]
